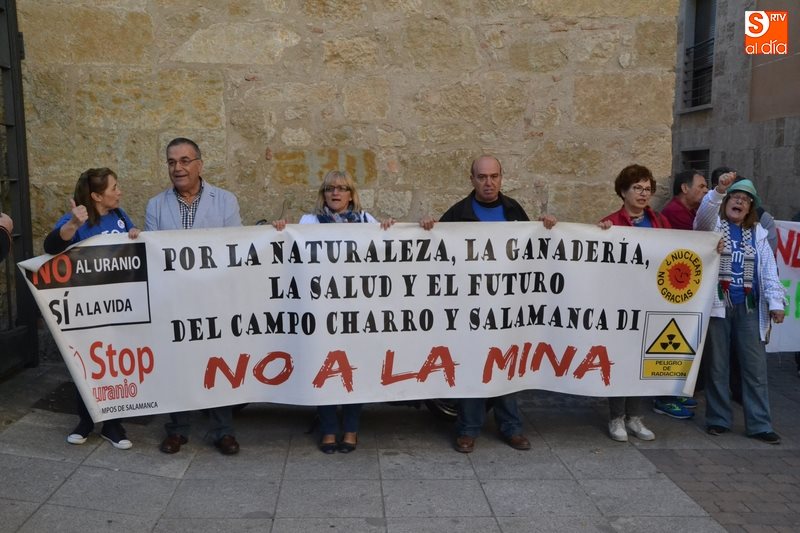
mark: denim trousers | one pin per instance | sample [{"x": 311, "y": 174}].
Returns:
[
  {"x": 472, "y": 415},
  {"x": 739, "y": 331},
  {"x": 329, "y": 424},
  {"x": 221, "y": 423},
  {"x": 620, "y": 406}
]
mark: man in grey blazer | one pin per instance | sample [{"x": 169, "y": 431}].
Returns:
[{"x": 190, "y": 203}]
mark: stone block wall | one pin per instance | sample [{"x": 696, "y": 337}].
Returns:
[{"x": 402, "y": 93}]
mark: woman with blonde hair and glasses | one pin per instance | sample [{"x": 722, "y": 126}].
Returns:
[{"x": 338, "y": 201}]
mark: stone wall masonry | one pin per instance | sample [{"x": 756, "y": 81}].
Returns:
[
  {"x": 767, "y": 151},
  {"x": 402, "y": 93}
]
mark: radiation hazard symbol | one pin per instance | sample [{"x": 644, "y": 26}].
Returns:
[
  {"x": 671, "y": 341},
  {"x": 670, "y": 344}
]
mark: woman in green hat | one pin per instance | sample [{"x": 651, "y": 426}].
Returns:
[{"x": 749, "y": 296}]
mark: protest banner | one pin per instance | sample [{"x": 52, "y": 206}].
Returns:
[
  {"x": 341, "y": 313},
  {"x": 785, "y": 337}
]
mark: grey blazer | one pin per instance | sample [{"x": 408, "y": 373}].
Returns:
[{"x": 218, "y": 208}]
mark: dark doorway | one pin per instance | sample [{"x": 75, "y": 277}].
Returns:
[{"x": 18, "y": 315}]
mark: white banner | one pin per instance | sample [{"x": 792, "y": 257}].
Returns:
[
  {"x": 785, "y": 337},
  {"x": 342, "y": 313}
]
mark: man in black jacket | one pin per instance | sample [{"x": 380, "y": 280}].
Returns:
[{"x": 487, "y": 204}]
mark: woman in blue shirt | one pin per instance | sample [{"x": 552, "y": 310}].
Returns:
[{"x": 95, "y": 210}]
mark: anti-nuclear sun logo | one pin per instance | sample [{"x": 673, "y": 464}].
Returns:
[{"x": 679, "y": 276}]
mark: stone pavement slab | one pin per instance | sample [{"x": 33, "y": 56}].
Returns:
[
  {"x": 213, "y": 525},
  {"x": 425, "y": 464},
  {"x": 623, "y": 462},
  {"x": 654, "y": 524},
  {"x": 473, "y": 524},
  {"x": 224, "y": 498},
  {"x": 69, "y": 519},
  {"x": 103, "y": 489},
  {"x": 654, "y": 496},
  {"x": 15, "y": 513},
  {"x": 548, "y": 523},
  {"x": 505, "y": 463},
  {"x": 315, "y": 498},
  {"x": 434, "y": 498},
  {"x": 539, "y": 497},
  {"x": 32, "y": 480},
  {"x": 328, "y": 525}
]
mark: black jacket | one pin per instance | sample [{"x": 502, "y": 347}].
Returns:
[
  {"x": 5, "y": 243},
  {"x": 463, "y": 212}
]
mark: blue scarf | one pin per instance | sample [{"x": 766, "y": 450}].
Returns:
[{"x": 329, "y": 216}]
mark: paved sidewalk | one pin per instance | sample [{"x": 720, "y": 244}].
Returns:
[{"x": 404, "y": 477}]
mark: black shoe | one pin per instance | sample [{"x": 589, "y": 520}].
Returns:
[
  {"x": 115, "y": 434},
  {"x": 770, "y": 437},
  {"x": 328, "y": 447},
  {"x": 346, "y": 447},
  {"x": 716, "y": 430}
]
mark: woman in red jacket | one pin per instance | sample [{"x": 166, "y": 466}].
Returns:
[{"x": 635, "y": 185}]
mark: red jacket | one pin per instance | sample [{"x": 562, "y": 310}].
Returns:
[
  {"x": 678, "y": 215},
  {"x": 622, "y": 218}
]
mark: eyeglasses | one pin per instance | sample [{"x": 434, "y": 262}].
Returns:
[
  {"x": 743, "y": 198},
  {"x": 336, "y": 188},
  {"x": 638, "y": 189},
  {"x": 184, "y": 162}
]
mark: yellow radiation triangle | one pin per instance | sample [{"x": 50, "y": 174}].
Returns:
[{"x": 671, "y": 341}]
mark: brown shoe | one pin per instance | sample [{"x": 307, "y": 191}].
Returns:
[
  {"x": 465, "y": 444},
  {"x": 227, "y": 445},
  {"x": 518, "y": 442},
  {"x": 173, "y": 443}
]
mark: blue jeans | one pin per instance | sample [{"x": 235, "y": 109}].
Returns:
[
  {"x": 351, "y": 416},
  {"x": 738, "y": 330},
  {"x": 472, "y": 415},
  {"x": 221, "y": 423}
]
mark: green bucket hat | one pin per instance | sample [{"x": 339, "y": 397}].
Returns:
[{"x": 748, "y": 187}]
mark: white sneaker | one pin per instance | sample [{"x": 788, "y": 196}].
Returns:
[
  {"x": 115, "y": 434},
  {"x": 616, "y": 429},
  {"x": 81, "y": 432},
  {"x": 122, "y": 444},
  {"x": 635, "y": 426},
  {"x": 76, "y": 438}
]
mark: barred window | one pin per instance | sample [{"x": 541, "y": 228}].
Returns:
[{"x": 698, "y": 58}]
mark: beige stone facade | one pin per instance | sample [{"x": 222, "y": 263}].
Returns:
[{"x": 402, "y": 93}]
